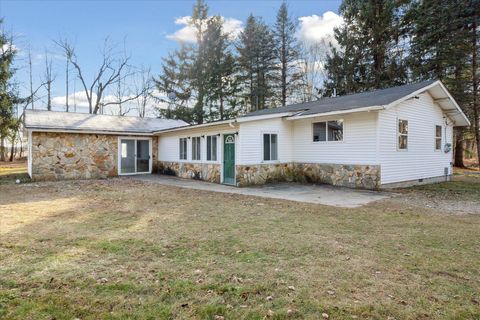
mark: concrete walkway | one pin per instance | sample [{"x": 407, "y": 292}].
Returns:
[{"x": 319, "y": 194}]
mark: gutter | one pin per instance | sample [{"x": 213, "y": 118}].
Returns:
[
  {"x": 118, "y": 133},
  {"x": 315, "y": 115}
]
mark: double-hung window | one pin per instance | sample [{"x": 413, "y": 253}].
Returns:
[
  {"x": 270, "y": 147},
  {"x": 328, "y": 131},
  {"x": 402, "y": 134},
  {"x": 183, "y": 149},
  {"x": 211, "y": 148},
  {"x": 196, "y": 148},
  {"x": 438, "y": 137}
]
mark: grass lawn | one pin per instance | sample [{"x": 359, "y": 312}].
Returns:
[
  {"x": 120, "y": 249},
  {"x": 11, "y": 171}
]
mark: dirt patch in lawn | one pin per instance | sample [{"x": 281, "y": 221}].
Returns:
[
  {"x": 461, "y": 196},
  {"x": 128, "y": 249}
]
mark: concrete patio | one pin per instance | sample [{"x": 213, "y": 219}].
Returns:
[{"x": 310, "y": 193}]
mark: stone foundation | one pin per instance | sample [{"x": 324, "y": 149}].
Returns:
[
  {"x": 210, "y": 172},
  {"x": 352, "y": 176},
  {"x": 259, "y": 174},
  {"x": 73, "y": 156}
]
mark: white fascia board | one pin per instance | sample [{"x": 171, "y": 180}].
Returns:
[
  {"x": 419, "y": 91},
  {"x": 454, "y": 103},
  {"x": 195, "y": 126},
  {"x": 118, "y": 133},
  {"x": 332, "y": 113},
  {"x": 264, "y": 117}
]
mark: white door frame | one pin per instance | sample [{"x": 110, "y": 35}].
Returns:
[{"x": 119, "y": 155}]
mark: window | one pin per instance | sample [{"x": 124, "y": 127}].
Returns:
[
  {"x": 438, "y": 137},
  {"x": 328, "y": 131},
  {"x": 196, "y": 148},
  {"x": 211, "y": 148},
  {"x": 270, "y": 147},
  {"x": 183, "y": 148},
  {"x": 402, "y": 134}
]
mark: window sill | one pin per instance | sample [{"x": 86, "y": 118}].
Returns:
[{"x": 328, "y": 142}]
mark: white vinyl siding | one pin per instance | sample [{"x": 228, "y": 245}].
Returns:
[
  {"x": 357, "y": 147},
  {"x": 250, "y": 140},
  {"x": 168, "y": 145},
  {"x": 421, "y": 161}
]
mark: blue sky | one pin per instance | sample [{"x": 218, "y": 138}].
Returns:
[{"x": 148, "y": 26}]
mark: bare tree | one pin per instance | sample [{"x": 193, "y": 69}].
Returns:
[
  {"x": 143, "y": 87},
  {"x": 31, "y": 76},
  {"x": 49, "y": 77},
  {"x": 110, "y": 71},
  {"x": 312, "y": 59},
  {"x": 66, "y": 85}
]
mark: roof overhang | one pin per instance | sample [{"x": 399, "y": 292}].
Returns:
[
  {"x": 195, "y": 126},
  {"x": 299, "y": 116},
  {"x": 443, "y": 99},
  {"x": 86, "y": 131},
  {"x": 265, "y": 116}
]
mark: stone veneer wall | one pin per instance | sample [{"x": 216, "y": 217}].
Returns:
[
  {"x": 73, "y": 156},
  {"x": 352, "y": 176},
  {"x": 58, "y": 156},
  {"x": 202, "y": 171}
]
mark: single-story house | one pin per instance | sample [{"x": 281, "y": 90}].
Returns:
[{"x": 368, "y": 140}]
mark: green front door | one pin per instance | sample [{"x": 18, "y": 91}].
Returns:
[{"x": 229, "y": 159}]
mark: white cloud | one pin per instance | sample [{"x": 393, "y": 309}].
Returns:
[
  {"x": 78, "y": 98},
  {"x": 319, "y": 28},
  {"x": 78, "y": 101},
  {"x": 187, "y": 33}
]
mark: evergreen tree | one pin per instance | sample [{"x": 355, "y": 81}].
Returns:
[
  {"x": 370, "y": 53},
  {"x": 257, "y": 63},
  {"x": 222, "y": 86},
  {"x": 198, "y": 71},
  {"x": 8, "y": 96},
  {"x": 287, "y": 52},
  {"x": 448, "y": 52},
  {"x": 173, "y": 84}
]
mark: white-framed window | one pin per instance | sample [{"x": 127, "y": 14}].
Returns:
[
  {"x": 328, "y": 131},
  {"x": 270, "y": 147},
  {"x": 438, "y": 138},
  {"x": 183, "y": 148},
  {"x": 402, "y": 134},
  {"x": 196, "y": 148},
  {"x": 211, "y": 148}
]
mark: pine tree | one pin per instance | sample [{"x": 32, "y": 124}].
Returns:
[
  {"x": 370, "y": 53},
  {"x": 447, "y": 52},
  {"x": 198, "y": 69},
  {"x": 221, "y": 86},
  {"x": 173, "y": 84},
  {"x": 287, "y": 53},
  {"x": 8, "y": 96},
  {"x": 257, "y": 64}
]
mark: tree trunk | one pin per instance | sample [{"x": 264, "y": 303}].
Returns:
[
  {"x": 458, "y": 161},
  {"x": 476, "y": 117},
  {"x": 2, "y": 148},
  {"x": 12, "y": 150}
]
